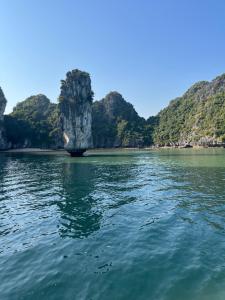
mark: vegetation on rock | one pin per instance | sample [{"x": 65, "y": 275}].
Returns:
[
  {"x": 116, "y": 124},
  {"x": 34, "y": 122},
  {"x": 196, "y": 118}
]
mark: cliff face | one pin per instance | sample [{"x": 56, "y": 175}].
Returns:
[
  {"x": 198, "y": 117},
  {"x": 2, "y": 104},
  {"x": 117, "y": 124},
  {"x": 3, "y": 143},
  {"x": 75, "y": 105}
]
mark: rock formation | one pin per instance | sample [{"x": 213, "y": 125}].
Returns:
[
  {"x": 2, "y": 104},
  {"x": 3, "y": 144},
  {"x": 37, "y": 124},
  {"x": 75, "y": 104},
  {"x": 117, "y": 124},
  {"x": 196, "y": 118}
]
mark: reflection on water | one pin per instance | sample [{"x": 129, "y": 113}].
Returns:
[
  {"x": 79, "y": 218},
  {"x": 120, "y": 225}
]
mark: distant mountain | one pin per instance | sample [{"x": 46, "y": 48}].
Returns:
[
  {"x": 198, "y": 117},
  {"x": 115, "y": 123}
]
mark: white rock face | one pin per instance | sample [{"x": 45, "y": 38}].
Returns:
[
  {"x": 3, "y": 144},
  {"x": 75, "y": 104}
]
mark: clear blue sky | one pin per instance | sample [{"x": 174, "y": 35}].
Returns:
[{"x": 150, "y": 51}]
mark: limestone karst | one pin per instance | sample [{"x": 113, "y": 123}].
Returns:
[
  {"x": 75, "y": 105},
  {"x": 2, "y": 104},
  {"x": 36, "y": 120},
  {"x": 117, "y": 124},
  {"x": 196, "y": 118},
  {"x": 3, "y": 143}
]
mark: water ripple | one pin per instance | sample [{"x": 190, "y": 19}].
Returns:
[{"x": 147, "y": 225}]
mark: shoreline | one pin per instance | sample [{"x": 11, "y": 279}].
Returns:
[
  {"x": 35, "y": 150},
  {"x": 62, "y": 151}
]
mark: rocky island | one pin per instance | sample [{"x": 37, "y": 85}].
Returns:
[{"x": 76, "y": 123}]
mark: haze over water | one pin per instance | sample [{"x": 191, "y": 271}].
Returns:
[{"x": 131, "y": 225}]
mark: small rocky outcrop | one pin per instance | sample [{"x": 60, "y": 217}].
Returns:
[
  {"x": 3, "y": 143},
  {"x": 75, "y": 105}
]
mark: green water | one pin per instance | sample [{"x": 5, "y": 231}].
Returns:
[{"x": 113, "y": 225}]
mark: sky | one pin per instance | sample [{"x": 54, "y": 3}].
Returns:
[{"x": 150, "y": 51}]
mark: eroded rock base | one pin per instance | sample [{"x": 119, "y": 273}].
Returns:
[{"x": 77, "y": 153}]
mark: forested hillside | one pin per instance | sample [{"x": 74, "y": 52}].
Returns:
[
  {"x": 34, "y": 122},
  {"x": 198, "y": 117},
  {"x": 117, "y": 124}
]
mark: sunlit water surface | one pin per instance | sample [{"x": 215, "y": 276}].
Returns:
[{"x": 113, "y": 225}]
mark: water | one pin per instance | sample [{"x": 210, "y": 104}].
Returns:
[{"x": 120, "y": 225}]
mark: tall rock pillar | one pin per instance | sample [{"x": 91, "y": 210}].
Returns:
[{"x": 75, "y": 103}]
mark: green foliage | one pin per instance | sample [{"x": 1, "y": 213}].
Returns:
[
  {"x": 198, "y": 116},
  {"x": 190, "y": 119},
  {"x": 117, "y": 124},
  {"x": 34, "y": 122}
]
